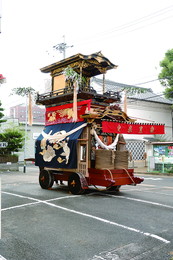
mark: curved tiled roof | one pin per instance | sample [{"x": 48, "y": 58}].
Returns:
[
  {"x": 93, "y": 64},
  {"x": 147, "y": 95}
]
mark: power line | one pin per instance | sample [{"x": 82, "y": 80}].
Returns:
[
  {"x": 142, "y": 83},
  {"x": 132, "y": 24},
  {"x": 140, "y": 20}
]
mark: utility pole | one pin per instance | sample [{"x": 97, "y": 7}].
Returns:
[{"x": 61, "y": 47}]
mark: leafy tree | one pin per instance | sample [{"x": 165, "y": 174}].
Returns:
[
  {"x": 166, "y": 74},
  {"x": 15, "y": 139},
  {"x": 1, "y": 114},
  {"x": 23, "y": 91},
  {"x": 26, "y": 92}
]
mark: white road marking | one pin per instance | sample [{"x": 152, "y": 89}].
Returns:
[
  {"x": 148, "y": 189},
  {"x": 143, "y": 189},
  {"x": 108, "y": 222},
  {"x": 155, "y": 192},
  {"x": 21, "y": 206},
  {"x": 153, "y": 179},
  {"x": 90, "y": 216},
  {"x": 148, "y": 185},
  {"x": 29, "y": 198},
  {"x": 143, "y": 201},
  {"x": 2, "y": 258},
  {"x": 167, "y": 187}
]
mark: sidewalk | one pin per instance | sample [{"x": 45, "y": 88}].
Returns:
[{"x": 141, "y": 170}]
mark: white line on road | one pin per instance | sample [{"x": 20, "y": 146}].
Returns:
[
  {"x": 153, "y": 179},
  {"x": 143, "y": 201},
  {"x": 90, "y": 216},
  {"x": 2, "y": 258},
  {"x": 108, "y": 222},
  {"x": 139, "y": 189},
  {"x": 155, "y": 192},
  {"x": 32, "y": 203},
  {"x": 21, "y": 206},
  {"x": 147, "y": 185},
  {"x": 167, "y": 187}
]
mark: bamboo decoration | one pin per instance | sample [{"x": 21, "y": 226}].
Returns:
[
  {"x": 125, "y": 101},
  {"x": 75, "y": 102},
  {"x": 30, "y": 115}
]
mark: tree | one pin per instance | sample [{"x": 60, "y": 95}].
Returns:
[
  {"x": 26, "y": 92},
  {"x": 15, "y": 139},
  {"x": 1, "y": 114},
  {"x": 166, "y": 74},
  {"x": 23, "y": 91}
]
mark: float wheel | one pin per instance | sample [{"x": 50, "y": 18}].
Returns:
[
  {"x": 46, "y": 179},
  {"x": 74, "y": 184},
  {"x": 114, "y": 188}
]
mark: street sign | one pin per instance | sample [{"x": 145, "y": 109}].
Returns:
[{"x": 3, "y": 144}]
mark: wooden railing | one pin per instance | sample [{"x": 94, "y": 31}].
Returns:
[
  {"x": 69, "y": 90},
  {"x": 66, "y": 90}
]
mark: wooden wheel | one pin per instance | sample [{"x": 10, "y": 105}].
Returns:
[
  {"x": 74, "y": 184},
  {"x": 114, "y": 188},
  {"x": 46, "y": 179}
]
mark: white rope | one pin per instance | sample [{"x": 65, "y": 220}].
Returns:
[
  {"x": 104, "y": 146},
  {"x": 59, "y": 136},
  {"x": 129, "y": 176}
]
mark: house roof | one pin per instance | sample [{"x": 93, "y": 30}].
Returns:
[
  {"x": 164, "y": 143},
  {"x": 147, "y": 95}
]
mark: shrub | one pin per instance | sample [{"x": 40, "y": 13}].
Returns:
[{"x": 15, "y": 139}]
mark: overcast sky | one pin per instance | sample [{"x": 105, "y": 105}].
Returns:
[{"x": 132, "y": 34}]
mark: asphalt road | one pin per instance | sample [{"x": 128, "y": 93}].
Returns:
[{"x": 52, "y": 224}]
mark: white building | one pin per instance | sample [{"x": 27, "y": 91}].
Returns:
[{"x": 146, "y": 107}]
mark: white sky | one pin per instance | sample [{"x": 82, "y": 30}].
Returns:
[{"x": 134, "y": 34}]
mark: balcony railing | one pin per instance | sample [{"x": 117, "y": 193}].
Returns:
[{"x": 68, "y": 91}]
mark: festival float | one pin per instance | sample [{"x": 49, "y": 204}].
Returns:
[{"x": 82, "y": 142}]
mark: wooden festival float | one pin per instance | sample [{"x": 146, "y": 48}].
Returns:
[{"x": 82, "y": 142}]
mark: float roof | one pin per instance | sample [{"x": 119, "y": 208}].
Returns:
[{"x": 91, "y": 65}]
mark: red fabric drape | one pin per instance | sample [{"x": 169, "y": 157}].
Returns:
[
  {"x": 132, "y": 128},
  {"x": 65, "y": 113}
]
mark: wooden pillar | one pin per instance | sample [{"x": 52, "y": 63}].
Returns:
[
  {"x": 125, "y": 101},
  {"x": 104, "y": 82},
  {"x": 81, "y": 66}
]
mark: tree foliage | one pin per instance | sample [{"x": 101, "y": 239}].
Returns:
[
  {"x": 166, "y": 74},
  {"x": 15, "y": 139},
  {"x": 71, "y": 74},
  {"x": 1, "y": 114},
  {"x": 22, "y": 91},
  {"x": 136, "y": 90}
]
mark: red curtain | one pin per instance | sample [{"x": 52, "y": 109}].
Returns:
[
  {"x": 65, "y": 113},
  {"x": 132, "y": 128}
]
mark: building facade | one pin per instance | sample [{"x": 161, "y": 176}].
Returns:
[
  {"x": 18, "y": 115},
  {"x": 145, "y": 107},
  {"x": 20, "y": 112}
]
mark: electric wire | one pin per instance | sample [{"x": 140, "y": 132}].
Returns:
[
  {"x": 142, "y": 83},
  {"x": 137, "y": 21},
  {"x": 120, "y": 28}
]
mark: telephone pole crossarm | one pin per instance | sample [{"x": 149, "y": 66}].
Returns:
[{"x": 61, "y": 47}]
